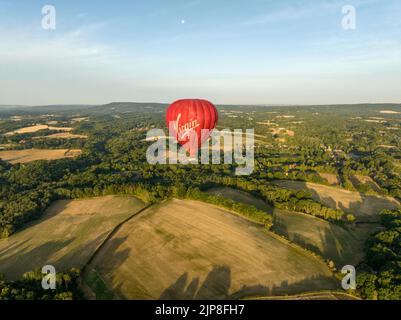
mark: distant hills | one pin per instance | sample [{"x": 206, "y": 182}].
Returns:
[
  {"x": 129, "y": 107},
  {"x": 140, "y": 107}
]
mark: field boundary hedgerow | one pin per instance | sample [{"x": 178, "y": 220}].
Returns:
[{"x": 110, "y": 235}]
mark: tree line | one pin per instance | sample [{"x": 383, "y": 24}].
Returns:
[
  {"x": 382, "y": 278},
  {"x": 300, "y": 201},
  {"x": 29, "y": 287}
]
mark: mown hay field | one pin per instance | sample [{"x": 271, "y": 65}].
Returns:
[
  {"x": 358, "y": 179},
  {"x": 66, "y": 236},
  {"x": 29, "y": 155},
  {"x": 62, "y": 135},
  {"x": 364, "y": 207},
  {"x": 331, "y": 178},
  {"x": 36, "y": 128},
  {"x": 182, "y": 249},
  {"x": 340, "y": 244}
]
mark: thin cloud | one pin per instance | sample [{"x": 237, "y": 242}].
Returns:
[
  {"x": 278, "y": 16},
  {"x": 82, "y": 15},
  {"x": 28, "y": 48},
  {"x": 303, "y": 9},
  {"x": 366, "y": 52}
]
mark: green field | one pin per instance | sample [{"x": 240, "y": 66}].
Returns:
[{"x": 66, "y": 236}]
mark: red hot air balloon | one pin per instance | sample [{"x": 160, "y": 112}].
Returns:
[{"x": 189, "y": 116}]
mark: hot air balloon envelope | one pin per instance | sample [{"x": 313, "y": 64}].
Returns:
[{"x": 191, "y": 121}]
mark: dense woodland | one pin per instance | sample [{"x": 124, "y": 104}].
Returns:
[
  {"x": 30, "y": 287},
  {"x": 383, "y": 252},
  {"x": 342, "y": 140}
]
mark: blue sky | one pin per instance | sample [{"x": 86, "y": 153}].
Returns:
[{"x": 237, "y": 51}]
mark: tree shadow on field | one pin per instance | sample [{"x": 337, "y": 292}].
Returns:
[
  {"x": 218, "y": 283},
  {"x": 328, "y": 201},
  {"x": 78, "y": 256},
  {"x": 361, "y": 206},
  {"x": 330, "y": 241},
  {"x": 307, "y": 244},
  {"x": 313, "y": 283},
  {"x": 12, "y": 247},
  {"x": 54, "y": 209},
  {"x": 110, "y": 255},
  {"x": 107, "y": 260},
  {"x": 30, "y": 259},
  {"x": 216, "y": 286},
  {"x": 309, "y": 284},
  {"x": 281, "y": 228},
  {"x": 63, "y": 254}
]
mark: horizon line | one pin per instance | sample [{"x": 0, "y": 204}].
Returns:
[{"x": 217, "y": 104}]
